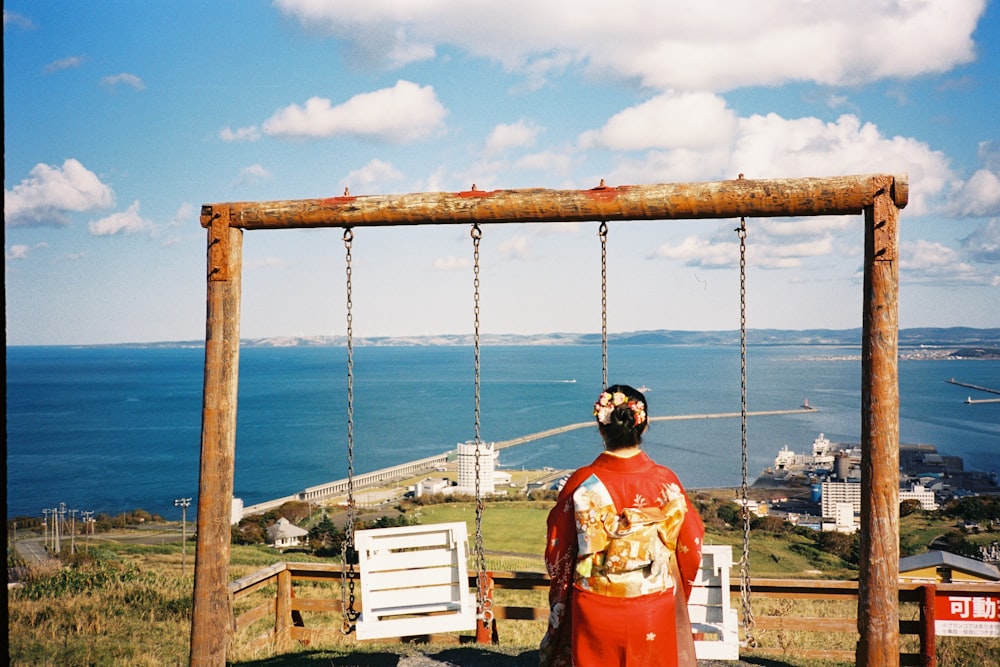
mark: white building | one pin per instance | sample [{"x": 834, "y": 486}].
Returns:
[
  {"x": 920, "y": 493},
  {"x": 835, "y": 493},
  {"x": 840, "y": 492},
  {"x": 467, "y": 468},
  {"x": 283, "y": 534}
]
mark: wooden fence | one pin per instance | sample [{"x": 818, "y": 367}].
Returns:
[{"x": 274, "y": 618}]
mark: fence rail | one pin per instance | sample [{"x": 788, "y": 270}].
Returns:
[{"x": 285, "y": 609}]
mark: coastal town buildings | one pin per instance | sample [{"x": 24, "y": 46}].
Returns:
[{"x": 833, "y": 473}]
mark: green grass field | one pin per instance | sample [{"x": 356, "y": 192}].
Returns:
[{"x": 129, "y": 605}]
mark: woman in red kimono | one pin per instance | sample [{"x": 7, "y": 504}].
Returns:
[{"x": 624, "y": 546}]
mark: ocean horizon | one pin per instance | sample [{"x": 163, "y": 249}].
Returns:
[{"x": 109, "y": 429}]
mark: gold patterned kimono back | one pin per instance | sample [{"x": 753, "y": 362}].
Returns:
[{"x": 626, "y": 553}]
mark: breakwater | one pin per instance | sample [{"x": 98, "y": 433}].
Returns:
[{"x": 330, "y": 490}]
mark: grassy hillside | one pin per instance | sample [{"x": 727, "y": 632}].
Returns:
[{"x": 130, "y": 604}]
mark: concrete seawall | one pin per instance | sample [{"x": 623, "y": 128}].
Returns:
[{"x": 377, "y": 477}]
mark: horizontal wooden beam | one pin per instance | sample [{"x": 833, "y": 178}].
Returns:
[{"x": 784, "y": 197}]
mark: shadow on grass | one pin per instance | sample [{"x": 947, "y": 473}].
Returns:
[{"x": 457, "y": 656}]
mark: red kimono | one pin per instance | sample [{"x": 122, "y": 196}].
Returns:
[{"x": 621, "y": 536}]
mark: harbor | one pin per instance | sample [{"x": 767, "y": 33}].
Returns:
[{"x": 438, "y": 463}]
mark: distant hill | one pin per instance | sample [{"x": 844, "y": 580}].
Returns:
[
  {"x": 936, "y": 341},
  {"x": 952, "y": 338}
]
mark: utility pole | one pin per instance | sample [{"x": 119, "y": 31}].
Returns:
[
  {"x": 183, "y": 503},
  {"x": 45, "y": 530},
  {"x": 72, "y": 532},
  {"x": 87, "y": 517},
  {"x": 60, "y": 517}
]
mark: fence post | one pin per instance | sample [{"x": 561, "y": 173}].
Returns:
[
  {"x": 486, "y": 624},
  {"x": 283, "y": 611},
  {"x": 928, "y": 638}
]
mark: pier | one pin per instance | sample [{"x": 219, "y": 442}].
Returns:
[
  {"x": 973, "y": 386},
  {"x": 338, "y": 487},
  {"x": 971, "y": 400}
]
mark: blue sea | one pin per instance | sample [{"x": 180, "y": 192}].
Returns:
[{"x": 111, "y": 429}]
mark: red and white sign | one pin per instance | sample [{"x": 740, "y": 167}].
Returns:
[{"x": 967, "y": 615}]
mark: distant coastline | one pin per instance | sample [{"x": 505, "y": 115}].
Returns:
[{"x": 914, "y": 343}]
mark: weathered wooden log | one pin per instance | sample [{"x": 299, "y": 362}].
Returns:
[
  {"x": 839, "y": 195},
  {"x": 210, "y": 618},
  {"x": 878, "y": 571}
]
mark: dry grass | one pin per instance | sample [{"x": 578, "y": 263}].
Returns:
[{"x": 131, "y": 606}]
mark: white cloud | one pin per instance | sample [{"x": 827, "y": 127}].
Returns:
[
  {"x": 685, "y": 120},
  {"x": 125, "y": 222},
  {"x": 451, "y": 263},
  {"x": 123, "y": 79},
  {"x": 712, "y": 45},
  {"x": 49, "y": 193},
  {"x": 698, "y": 251},
  {"x": 771, "y": 146},
  {"x": 774, "y": 147},
  {"x": 515, "y": 247},
  {"x": 931, "y": 262},
  {"x": 249, "y": 133},
  {"x": 505, "y": 136},
  {"x": 374, "y": 173},
  {"x": 406, "y": 112},
  {"x": 18, "y": 20},
  {"x": 983, "y": 245},
  {"x": 185, "y": 215},
  {"x": 989, "y": 155},
  {"x": 22, "y": 251},
  {"x": 63, "y": 64},
  {"x": 546, "y": 161},
  {"x": 252, "y": 174},
  {"x": 17, "y": 251},
  {"x": 979, "y": 196}
]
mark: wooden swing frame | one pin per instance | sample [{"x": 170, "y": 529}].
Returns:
[{"x": 878, "y": 196}]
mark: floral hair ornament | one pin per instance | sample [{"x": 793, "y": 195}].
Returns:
[{"x": 608, "y": 402}]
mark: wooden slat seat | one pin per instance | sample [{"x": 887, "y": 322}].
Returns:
[{"x": 414, "y": 581}]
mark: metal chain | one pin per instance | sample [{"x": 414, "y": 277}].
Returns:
[
  {"x": 603, "y": 233},
  {"x": 477, "y": 235},
  {"x": 347, "y": 551},
  {"x": 748, "y": 621},
  {"x": 483, "y": 603}
]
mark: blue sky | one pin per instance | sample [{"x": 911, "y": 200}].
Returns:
[{"x": 123, "y": 118}]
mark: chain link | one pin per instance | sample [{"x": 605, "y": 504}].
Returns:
[
  {"x": 348, "y": 552},
  {"x": 603, "y": 233},
  {"x": 483, "y": 603},
  {"x": 748, "y": 620}
]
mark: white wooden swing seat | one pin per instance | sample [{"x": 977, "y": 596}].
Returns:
[
  {"x": 709, "y": 607},
  {"x": 414, "y": 581}
]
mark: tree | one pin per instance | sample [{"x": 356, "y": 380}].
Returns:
[
  {"x": 974, "y": 509},
  {"x": 769, "y": 524},
  {"x": 908, "y": 507},
  {"x": 841, "y": 545}
]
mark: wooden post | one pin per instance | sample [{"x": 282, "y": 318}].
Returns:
[
  {"x": 878, "y": 578},
  {"x": 486, "y": 624},
  {"x": 928, "y": 636},
  {"x": 210, "y": 620},
  {"x": 283, "y": 612}
]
